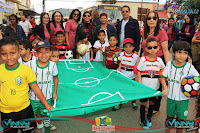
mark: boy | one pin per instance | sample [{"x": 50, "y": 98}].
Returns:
[
  {"x": 55, "y": 54},
  {"x": 99, "y": 45},
  {"x": 34, "y": 39},
  {"x": 14, "y": 81},
  {"x": 148, "y": 71},
  {"x": 126, "y": 66},
  {"x": 60, "y": 45},
  {"x": 175, "y": 71},
  {"x": 46, "y": 72},
  {"x": 108, "y": 61},
  {"x": 24, "y": 49}
]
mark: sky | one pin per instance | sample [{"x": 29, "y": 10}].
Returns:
[{"x": 55, "y": 4}]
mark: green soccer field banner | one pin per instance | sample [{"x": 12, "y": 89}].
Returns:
[{"x": 87, "y": 86}]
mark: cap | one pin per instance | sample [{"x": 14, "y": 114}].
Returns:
[
  {"x": 42, "y": 44},
  {"x": 128, "y": 40},
  {"x": 34, "y": 36}
]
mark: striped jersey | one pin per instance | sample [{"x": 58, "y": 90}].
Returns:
[
  {"x": 175, "y": 76},
  {"x": 33, "y": 58},
  {"x": 150, "y": 71},
  {"x": 62, "y": 49},
  {"x": 128, "y": 63},
  {"x": 109, "y": 59},
  {"x": 44, "y": 78}
]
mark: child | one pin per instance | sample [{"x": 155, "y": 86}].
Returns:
[
  {"x": 89, "y": 53},
  {"x": 148, "y": 71},
  {"x": 60, "y": 37},
  {"x": 99, "y": 45},
  {"x": 46, "y": 73},
  {"x": 34, "y": 39},
  {"x": 126, "y": 66},
  {"x": 175, "y": 71},
  {"x": 108, "y": 61},
  {"x": 15, "y": 79},
  {"x": 55, "y": 54},
  {"x": 25, "y": 55}
]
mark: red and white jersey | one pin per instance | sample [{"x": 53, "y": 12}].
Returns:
[
  {"x": 127, "y": 64},
  {"x": 150, "y": 71}
]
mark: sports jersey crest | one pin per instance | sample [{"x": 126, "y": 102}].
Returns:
[
  {"x": 18, "y": 80},
  {"x": 152, "y": 73},
  {"x": 48, "y": 73}
]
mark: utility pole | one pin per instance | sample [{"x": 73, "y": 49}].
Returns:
[{"x": 43, "y": 5}]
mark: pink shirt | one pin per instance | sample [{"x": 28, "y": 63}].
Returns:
[
  {"x": 53, "y": 32},
  {"x": 161, "y": 37},
  {"x": 47, "y": 35},
  {"x": 170, "y": 35},
  {"x": 197, "y": 34},
  {"x": 71, "y": 27}
]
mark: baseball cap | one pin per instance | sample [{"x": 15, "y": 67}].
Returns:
[
  {"x": 128, "y": 40},
  {"x": 34, "y": 36},
  {"x": 42, "y": 44}
]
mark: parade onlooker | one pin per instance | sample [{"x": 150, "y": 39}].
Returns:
[
  {"x": 128, "y": 27},
  {"x": 70, "y": 29},
  {"x": 108, "y": 28},
  {"x": 56, "y": 25},
  {"x": 14, "y": 30},
  {"x": 187, "y": 31},
  {"x": 32, "y": 21},
  {"x": 95, "y": 17},
  {"x": 164, "y": 24},
  {"x": 26, "y": 25},
  {"x": 172, "y": 33}
]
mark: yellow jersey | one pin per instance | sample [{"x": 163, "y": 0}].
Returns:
[{"x": 14, "y": 87}]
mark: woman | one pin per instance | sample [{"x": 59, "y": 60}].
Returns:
[
  {"x": 95, "y": 17},
  {"x": 152, "y": 30},
  {"x": 70, "y": 29},
  {"x": 88, "y": 27},
  {"x": 188, "y": 29},
  {"x": 43, "y": 29},
  {"x": 56, "y": 25},
  {"x": 14, "y": 30},
  {"x": 108, "y": 28},
  {"x": 172, "y": 33}
]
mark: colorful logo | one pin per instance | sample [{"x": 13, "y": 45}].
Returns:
[
  {"x": 18, "y": 80},
  {"x": 103, "y": 123}
]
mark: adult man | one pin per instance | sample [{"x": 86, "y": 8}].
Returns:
[
  {"x": 25, "y": 25},
  {"x": 128, "y": 28}
]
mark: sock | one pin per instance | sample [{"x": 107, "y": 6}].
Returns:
[
  {"x": 47, "y": 125},
  {"x": 142, "y": 113},
  {"x": 150, "y": 111}
]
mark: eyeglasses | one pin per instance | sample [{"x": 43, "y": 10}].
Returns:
[
  {"x": 149, "y": 18},
  {"x": 76, "y": 14},
  {"x": 154, "y": 47},
  {"x": 57, "y": 15},
  {"x": 125, "y": 11},
  {"x": 86, "y": 15}
]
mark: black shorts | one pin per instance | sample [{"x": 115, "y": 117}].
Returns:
[
  {"x": 25, "y": 126},
  {"x": 153, "y": 99}
]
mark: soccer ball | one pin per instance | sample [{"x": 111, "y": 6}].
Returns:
[
  {"x": 160, "y": 76},
  {"x": 82, "y": 48},
  {"x": 116, "y": 57},
  {"x": 190, "y": 86},
  {"x": 68, "y": 54}
]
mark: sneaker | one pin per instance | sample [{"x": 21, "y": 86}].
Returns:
[
  {"x": 144, "y": 125},
  {"x": 149, "y": 123},
  {"x": 117, "y": 107},
  {"x": 155, "y": 113},
  {"x": 52, "y": 128},
  {"x": 135, "y": 107}
]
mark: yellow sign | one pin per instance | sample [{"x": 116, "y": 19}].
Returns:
[{"x": 110, "y": 8}]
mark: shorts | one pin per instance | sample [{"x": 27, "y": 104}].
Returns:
[
  {"x": 178, "y": 108},
  {"x": 37, "y": 105},
  {"x": 17, "y": 116},
  {"x": 153, "y": 99}
]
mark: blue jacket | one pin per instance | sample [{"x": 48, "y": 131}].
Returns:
[
  {"x": 177, "y": 37},
  {"x": 131, "y": 31},
  {"x": 110, "y": 29}
]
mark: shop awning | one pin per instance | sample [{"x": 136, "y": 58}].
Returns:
[
  {"x": 5, "y": 5},
  {"x": 29, "y": 12},
  {"x": 162, "y": 15},
  {"x": 6, "y": 10}
]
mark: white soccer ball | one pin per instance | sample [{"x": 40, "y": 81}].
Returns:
[
  {"x": 68, "y": 54},
  {"x": 82, "y": 48}
]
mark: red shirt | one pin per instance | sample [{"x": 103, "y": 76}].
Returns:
[
  {"x": 109, "y": 60},
  {"x": 32, "y": 23},
  {"x": 170, "y": 34},
  {"x": 62, "y": 48},
  {"x": 197, "y": 34}
]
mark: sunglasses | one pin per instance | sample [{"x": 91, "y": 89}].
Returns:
[
  {"x": 154, "y": 47},
  {"x": 149, "y": 18},
  {"x": 76, "y": 14},
  {"x": 86, "y": 15},
  {"x": 125, "y": 11}
]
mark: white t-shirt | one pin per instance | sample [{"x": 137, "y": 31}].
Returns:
[
  {"x": 99, "y": 53},
  {"x": 33, "y": 58},
  {"x": 44, "y": 78},
  {"x": 175, "y": 76},
  {"x": 127, "y": 64},
  {"x": 150, "y": 71},
  {"x": 122, "y": 34},
  {"x": 87, "y": 55},
  {"x": 26, "y": 26}
]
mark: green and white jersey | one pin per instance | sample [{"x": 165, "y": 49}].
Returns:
[
  {"x": 44, "y": 78},
  {"x": 175, "y": 76}
]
